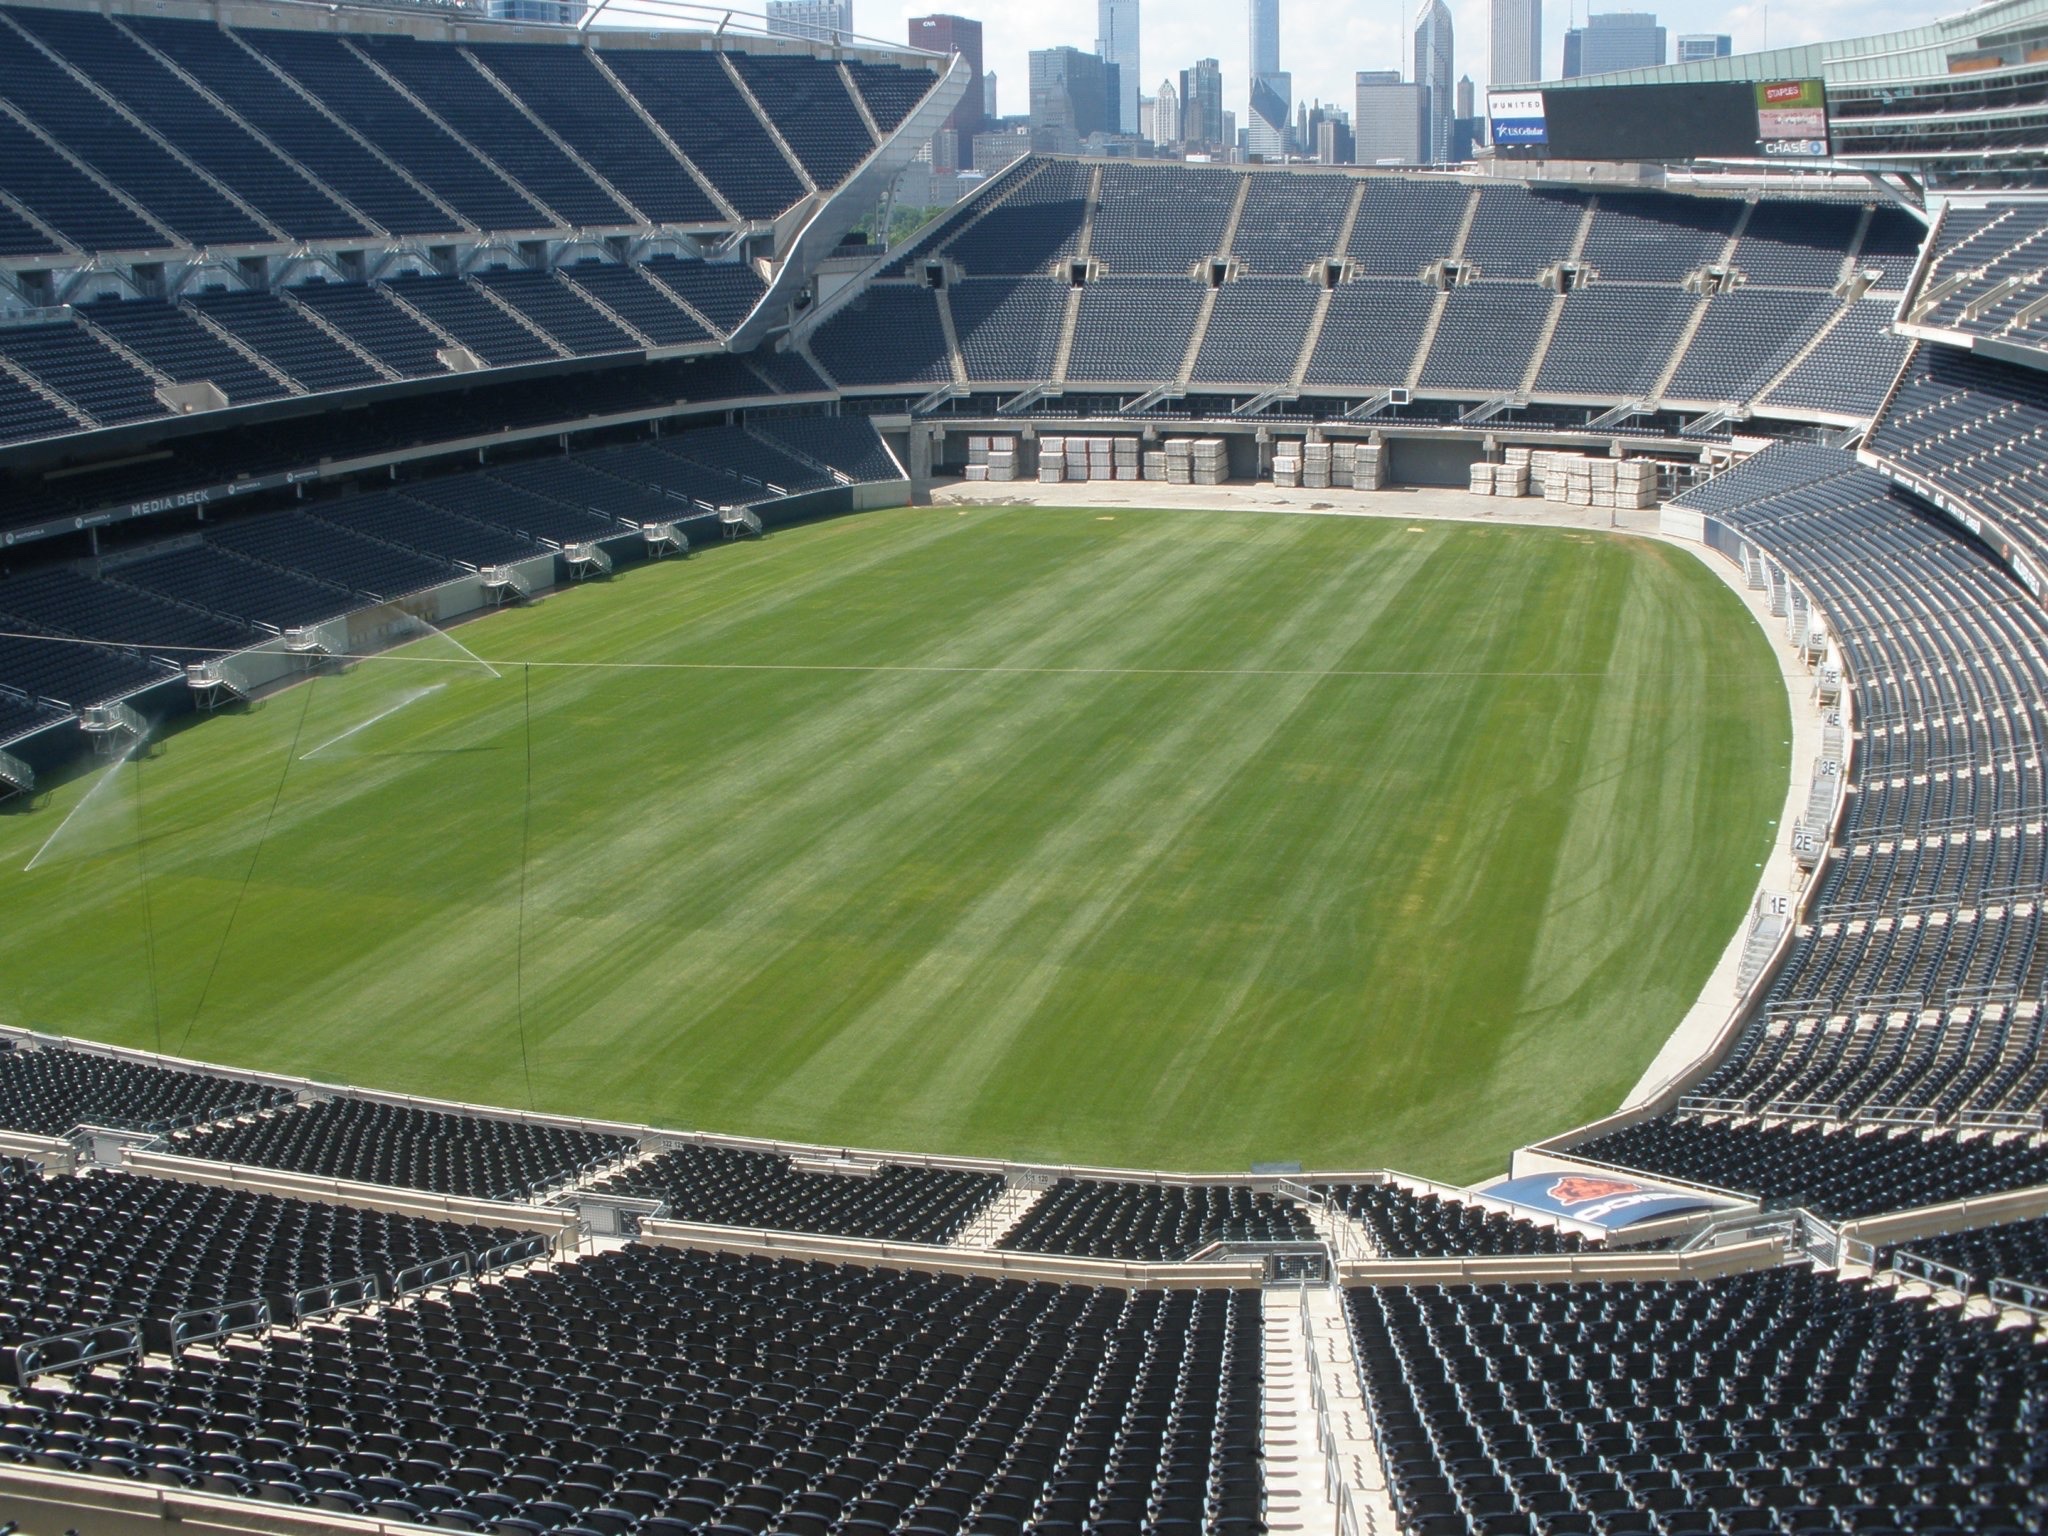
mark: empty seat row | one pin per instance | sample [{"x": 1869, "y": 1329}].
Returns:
[
  {"x": 1404, "y": 1225},
  {"x": 79, "y": 1251},
  {"x": 49, "y": 1092},
  {"x": 1786, "y": 1401},
  {"x": 741, "y": 1187},
  {"x": 365, "y": 1141},
  {"x": 662, "y": 1392},
  {"x": 1149, "y": 1222},
  {"x": 1839, "y": 1172}
]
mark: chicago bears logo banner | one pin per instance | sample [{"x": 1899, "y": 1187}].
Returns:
[{"x": 1610, "y": 1201}]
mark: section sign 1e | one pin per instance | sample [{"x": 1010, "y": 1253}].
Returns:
[{"x": 1517, "y": 117}]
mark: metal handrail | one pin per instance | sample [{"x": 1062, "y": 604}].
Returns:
[
  {"x": 77, "y": 1346},
  {"x": 2018, "y": 1293},
  {"x": 1917, "y": 1266}
]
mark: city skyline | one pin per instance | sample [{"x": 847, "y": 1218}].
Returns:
[{"x": 1378, "y": 36}]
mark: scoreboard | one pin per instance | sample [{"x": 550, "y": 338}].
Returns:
[{"x": 1711, "y": 120}]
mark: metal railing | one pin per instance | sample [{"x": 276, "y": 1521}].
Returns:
[
  {"x": 441, "y": 1271},
  {"x": 521, "y": 1250},
  {"x": 2017, "y": 1293},
  {"x": 1803, "y": 1232},
  {"x": 202, "y": 1325},
  {"x": 318, "y": 1301},
  {"x": 23, "y": 1362},
  {"x": 1947, "y": 1277}
]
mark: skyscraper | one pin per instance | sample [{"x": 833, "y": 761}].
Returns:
[
  {"x": 1387, "y": 125},
  {"x": 1271, "y": 95},
  {"x": 955, "y": 34},
  {"x": 1433, "y": 72},
  {"x": 1116, "y": 28},
  {"x": 1704, "y": 45},
  {"x": 1265, "y": 37},
  {"x": 1515, "y": 43},
  {"x": 1073, "y": 94},
  {"x": 1468, "y": 129},
  {"x": 819, "y": 20},
  {"x": 1611, "y": 41},
  {"x": 1201, "y": 107},
  {"x": 1166, "y": 115},
  {"x": 1272, "y": 89}
]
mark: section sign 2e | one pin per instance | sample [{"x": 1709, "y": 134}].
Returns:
[{"x": 1517, "y": 117}]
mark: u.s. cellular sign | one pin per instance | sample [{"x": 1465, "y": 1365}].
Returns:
[{"x": 1516, "y": 117}]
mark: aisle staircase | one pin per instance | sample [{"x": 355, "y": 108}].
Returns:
[
  {"x": 1323, "y": 1470},
  {"x": 999, "y": 1217}
]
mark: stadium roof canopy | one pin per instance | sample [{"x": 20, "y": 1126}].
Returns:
[
  {"x": 2002, "y": 37},
  {"x": 1960, "y": 105}
]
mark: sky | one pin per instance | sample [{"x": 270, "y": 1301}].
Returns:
[{"x": 1324, "y": 42}]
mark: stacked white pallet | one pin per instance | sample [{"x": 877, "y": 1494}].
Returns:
[
  {"x": 1368, "y": 468},
  {"x": 1052, "y": 460},
  {"x": 1180, "y": 461},
  {"x": 1155, "y": 465},
  {"x": 1500, "y": 479},
  {"x": 1287, "y": 465},
  {"x": 1585, "y": 482},
  {"x": 1124, "y": 457},
  {"x": 1315, "y": 466},
  {"x": 996, "y": 455},
  {"x": 1555, "y": 471},
  {"x": 1212, "y": 461},
  {"x": 1609, "y": 484},
  {"x": 1635, "y": 484}
]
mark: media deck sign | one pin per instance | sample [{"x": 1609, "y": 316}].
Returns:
[{"x": 1517, "y": 117}]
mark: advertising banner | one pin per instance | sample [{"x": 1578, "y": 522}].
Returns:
[{"x": 1517, "y": 117}]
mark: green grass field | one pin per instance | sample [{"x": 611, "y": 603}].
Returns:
[{"x": 1168, "y": 839}]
